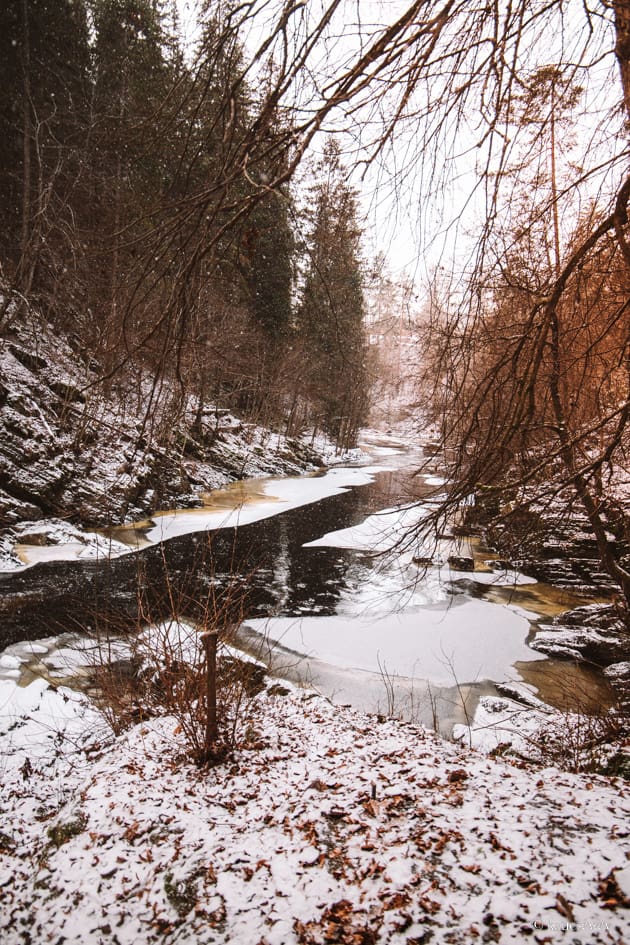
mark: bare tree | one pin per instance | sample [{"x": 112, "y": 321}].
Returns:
[
  {"x": 440, "y": 77},
  {"x": 434, "y": 89},
  {"x": 455, "y": 78}
]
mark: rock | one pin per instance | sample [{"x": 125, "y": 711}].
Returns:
[
  {"x": 520, "y": 693},
  {"x": 461, "y": 563},
  {"x": 594, "y": 633},
  {"x": 599, "y": 616},
  {"x": 29, "y": 360},
  {"x": 13, "y": 510},
  {"x": 556, "y": 648},
  {"x": 499, "y": 564},
  {"x": 583, "y": 642},
  {"x": 39, "y": 539},
  {"x": 69, "y": 393},
  {"x": 618, "y": 675},
  {"x": 553, "y": 547},
  {"x": 618, "y": 671},
  {"x": 249, "y": 674}
]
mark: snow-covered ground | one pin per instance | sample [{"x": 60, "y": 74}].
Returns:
[{"x": 326, "y": 826}]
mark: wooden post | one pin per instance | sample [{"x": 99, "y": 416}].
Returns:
[{"x": 210, "y": 644}]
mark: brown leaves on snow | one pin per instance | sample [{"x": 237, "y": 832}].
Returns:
[{"x": 340, "y": 923}]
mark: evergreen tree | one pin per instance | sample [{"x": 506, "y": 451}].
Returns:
[
  {"x": 270, "y": 273},
  {"x": 332, "y": 309},
  {"x": 131, "y": 152},
  {"x": 243, "y": 271}
]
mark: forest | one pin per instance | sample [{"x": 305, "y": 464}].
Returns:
[
  {"x": 314, "y": 471},
  {"x": 157, "y": 208},
  {"x": 138, "y": 212}
]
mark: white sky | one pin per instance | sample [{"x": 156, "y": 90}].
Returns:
[{"x": 409, "y": 221}]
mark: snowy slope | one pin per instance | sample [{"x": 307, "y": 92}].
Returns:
[
  {"x": 71, "y": 448},
  {"x": 327, "y": 826}
]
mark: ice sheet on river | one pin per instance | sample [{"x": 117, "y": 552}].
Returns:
[
  {"x": 465, "y": 641},
  {"x": 393, "y": 530},
  {"x": 273, "y": 496},
  {"x": 238, "y": 504},
  {"x": 379, "y": 532}
]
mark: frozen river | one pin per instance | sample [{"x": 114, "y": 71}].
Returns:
[{"x": 334, "y": 597}]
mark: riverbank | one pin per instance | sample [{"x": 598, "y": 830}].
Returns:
[
  {"x": 552, "y": 541},
  {"x": 326, "y": 825},
  {"x": 76, "y": 454},
  {"x": 358, "y": 620}
]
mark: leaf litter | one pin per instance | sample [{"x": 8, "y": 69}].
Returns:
[{"x": 326, "y": 826}]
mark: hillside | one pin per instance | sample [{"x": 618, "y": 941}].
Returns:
[
  {"x": 325, "y": 826},
  {"x": 93, "y": 454}
]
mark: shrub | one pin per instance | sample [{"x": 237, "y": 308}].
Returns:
[{"x": 187, "y": 668}]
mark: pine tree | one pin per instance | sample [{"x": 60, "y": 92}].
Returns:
[
  {"x": 131, "y": 154},
  {"x": 332, "y": 309},
  {"x": 270, "y": 245}
]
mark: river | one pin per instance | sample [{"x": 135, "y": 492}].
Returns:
[{"x": 326, "y": 603}]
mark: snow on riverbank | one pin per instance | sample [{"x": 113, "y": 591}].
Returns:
[
  {"x": 56, "y": 540},
  {"x": 72, "y": 449},
  {"x": 238, "y": 504},
  {"x": 327, "y": 827},
  {"x": 273, "y": 496}
]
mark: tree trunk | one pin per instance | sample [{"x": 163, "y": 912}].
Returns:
[
  {"x": 27, "y": 134},
  {"x": 622, "y": 47}
]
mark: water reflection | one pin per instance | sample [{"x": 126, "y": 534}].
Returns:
[
  {"x": 568, "y": 686},
  {"x": 542, "y": 600}
]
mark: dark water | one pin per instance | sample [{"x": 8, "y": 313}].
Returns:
[{"x": 263, "y": 569}]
